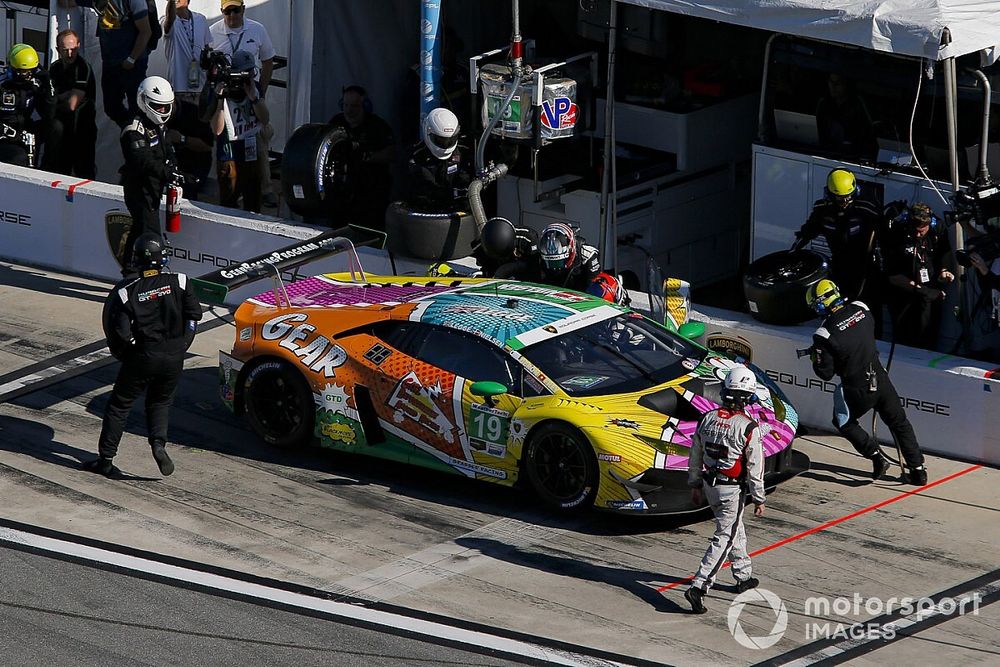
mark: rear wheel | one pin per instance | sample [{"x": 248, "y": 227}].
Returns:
[
  {"x": 279, "y": 404},
  {"x": 561, "y": 467}
]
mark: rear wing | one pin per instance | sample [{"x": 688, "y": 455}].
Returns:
[{"x": 214, "y": 287}]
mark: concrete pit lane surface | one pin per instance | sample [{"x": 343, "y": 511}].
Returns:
[{"x": 265, "y": 556}]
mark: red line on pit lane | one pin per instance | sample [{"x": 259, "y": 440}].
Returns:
[{"x": 834, "y": 522}]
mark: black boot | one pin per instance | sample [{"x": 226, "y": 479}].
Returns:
[
  {"x": 917, "y": 476},
  {"x": 879, "y": 465},
  {"x": 694, "y": 597},
  {"x": 102, "y": 466},
  {"x": 162, "y": 458},
  {"x": 747, "y": 584}
]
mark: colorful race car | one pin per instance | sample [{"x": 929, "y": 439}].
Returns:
[{"x": 590, "y": 403}]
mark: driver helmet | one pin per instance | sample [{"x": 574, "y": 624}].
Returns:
[
  {"x": 557, "y": 247},
  {"x": 22, "y": 61},
  {"x": 155, "y": 99},
  {"x": 441, "y": 133},
  {"x": 498, "y": 238},
  {"x": 824, "y": 296},
  {"x": 147, "y": 252},
  {"x": 841, "y": 187},
  {"x": 607, "y": 287},
  {"x": 739, "y": 388}
]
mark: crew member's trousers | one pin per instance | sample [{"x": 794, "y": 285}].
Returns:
[
  {"x": 730, "y": 539},
  {"x": 158, "y": 375},
  {"x": 852, "y": 403}
]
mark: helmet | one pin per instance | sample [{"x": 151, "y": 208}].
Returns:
[
  {"x": 557, "y": 246},
  {"x": 739, "y": 388},
  {"x": 22, "y": 57},
  {"x": 607, "y": 287},
  {"x": 147, "y": 252},
  {"x": 441, "y": 133},
  {"x": 155, "y": 99},
  {"x": 841, "y": 186},
  {"x": 823, "y": 296},
  {"x": 498, "y": 238},
  {"x": 243, "y": 61}
]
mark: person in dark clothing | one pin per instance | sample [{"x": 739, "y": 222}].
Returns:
[
  {"x": 506, "y": 251},
  {"x": 565, "y": 260},
  {"x": 845, "y": 345},
  {"x": 124, "y": 30},
  {"x": 372, "y": 157},
  {"x": 193, "y": 143},
  {"x": 916, "y": 253},
  {"x": 440, "y": 170},
  {"x": 851, "y": 227},
  {"x": 27, "y": 107},
  {"x": 149, "y": 161},
  {"x": 149, "y": 322},
  {"x": 71, "y": 143}
]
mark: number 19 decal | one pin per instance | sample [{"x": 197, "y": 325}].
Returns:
[{"x": 488, "y": 429}]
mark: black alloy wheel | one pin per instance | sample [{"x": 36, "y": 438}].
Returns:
[
  {"x": 279, "y": 404},
  {"x": 561, "y": 467}
]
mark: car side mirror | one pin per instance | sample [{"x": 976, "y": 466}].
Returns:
[
  {"x": 692, "y": 330},
  {"x": 488, "y": 389}
]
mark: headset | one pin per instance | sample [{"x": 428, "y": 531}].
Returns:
[{"x": 366, "y": 103}]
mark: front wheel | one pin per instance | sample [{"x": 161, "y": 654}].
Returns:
[
  {"x": 279, "y": 404},
  {"x": 561, "y": 467}
]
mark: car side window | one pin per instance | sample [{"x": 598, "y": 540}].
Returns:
[{"x": 466, "y": 356}]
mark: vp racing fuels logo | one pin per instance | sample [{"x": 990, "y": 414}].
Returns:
[{"x": 559, "y": 113}]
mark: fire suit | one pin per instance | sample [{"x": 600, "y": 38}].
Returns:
[
  {"x": 439, "y": 184},
  {"x": 845, "y": 345},
  {"x": 149, "y": 322},
  {"x": 728, "y": 444},
  {"x": 149, "y": 162},
  {"x": 27, "y": 108}
]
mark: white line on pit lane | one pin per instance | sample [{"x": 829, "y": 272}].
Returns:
[
  {"x": 916, "y": 617},
  {"x": 439, "y": 562},
  {"x": 430, "y": 629}
]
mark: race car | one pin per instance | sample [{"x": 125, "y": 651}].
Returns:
[{"x": 590, "y": 403}]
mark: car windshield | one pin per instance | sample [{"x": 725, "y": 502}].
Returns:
[{"x": 624, "y": 354}]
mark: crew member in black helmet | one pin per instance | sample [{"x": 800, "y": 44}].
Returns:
[
  {"x": 149, "y": 322},
  {"x": 506, "y": 251}
]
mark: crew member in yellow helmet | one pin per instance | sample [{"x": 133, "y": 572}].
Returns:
[
  {"x": 25, "y": 90},
  {"x": 852, "y": 227}
]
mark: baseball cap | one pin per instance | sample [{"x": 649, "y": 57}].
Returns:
[{"x": 232, "y": 3}]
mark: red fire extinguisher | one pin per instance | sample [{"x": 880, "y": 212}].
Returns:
[{"x": 174, "y": 195}]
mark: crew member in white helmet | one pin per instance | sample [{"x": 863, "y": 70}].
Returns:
[{"x": 439, "y": 171}]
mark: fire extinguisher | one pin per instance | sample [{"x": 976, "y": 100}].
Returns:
[{"x": 175, "y": 193}]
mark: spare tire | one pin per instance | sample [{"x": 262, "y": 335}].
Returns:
[
  {"x": 314, "y": 170},
  {"x": 440, "y": 236},
  {"x": 775, "y": 285}
]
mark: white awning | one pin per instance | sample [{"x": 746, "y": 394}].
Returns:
[{"x": 904, "y": 27}]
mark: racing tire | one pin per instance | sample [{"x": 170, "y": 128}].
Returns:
[
  {"x": 561, "y": 467},
  {"x": 434, "y": 235},
  {"x": 775, "y": 285},
  {"x": 279, "y": 405},
  {"x": 315, "y": 170}
]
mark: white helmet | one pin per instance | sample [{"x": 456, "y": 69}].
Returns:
[
  {"x": 740, "y": 387},
  {"x": 155, "y": 99},
  {"x": 441, "y": 133}
]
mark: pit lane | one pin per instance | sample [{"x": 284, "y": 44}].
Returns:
[{"x": 480, "y": 555}]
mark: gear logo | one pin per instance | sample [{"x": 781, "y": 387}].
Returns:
[{"x": 780, "y": 619}]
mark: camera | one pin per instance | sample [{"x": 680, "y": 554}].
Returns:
[
  {"x": 981, "y": 204},
  {"x": 219, "y": 69}
]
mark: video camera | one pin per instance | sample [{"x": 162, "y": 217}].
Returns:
[
  {"x": 982, "y": 205},
  {"x": 219, "y": 69}
]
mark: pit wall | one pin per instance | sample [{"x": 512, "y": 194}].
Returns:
[{"x": 59, "y": 223}]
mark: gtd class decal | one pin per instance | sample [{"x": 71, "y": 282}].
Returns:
[{"x": 319, "y": 354}]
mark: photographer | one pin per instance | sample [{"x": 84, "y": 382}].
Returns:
[
  {"x": 238, "y": 118},
  {"x": 916, "y": 251}
]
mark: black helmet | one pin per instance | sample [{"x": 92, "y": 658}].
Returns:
[
  {"x": 498, "y": 238},
  {"x": 147, "y": 252}
]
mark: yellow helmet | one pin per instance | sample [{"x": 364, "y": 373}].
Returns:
[
  {"x": 823, "y": 295},
  {"x": 840, "y": 183},
  {"x": 22, "y": 57}
]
